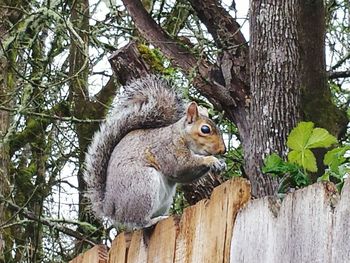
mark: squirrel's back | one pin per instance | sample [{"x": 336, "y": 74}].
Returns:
[{"x": 148, "y": 102}]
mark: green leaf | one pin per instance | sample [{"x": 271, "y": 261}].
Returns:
[
  {"x": 301, "y": 179},
  {"x": 305, "y": 158},
  {"x": 324, "y": 177},
  {"x": 272, "y": 163},
  {"x": 320, "y": 138},
  {"x": 299, "y": 136},
  {"x": 304, "y": 136},
  {"x": 336, "y": 154},
  {"x": 335, "y": 157}
]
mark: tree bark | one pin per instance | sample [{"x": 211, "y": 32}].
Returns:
[
  {"x": 316, "y": 99},
  {"x": 275, "y": 83},
  {"x": 11, "y": 14},
  {"x": 4, "y": 154}
]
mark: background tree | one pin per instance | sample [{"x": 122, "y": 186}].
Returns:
[{"x": 56, "y": 86}]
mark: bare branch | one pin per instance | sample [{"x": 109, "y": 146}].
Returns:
[
  {"x": 105, "y": 95},
  {"x": 207, "y": 75},
  {"x": 227, "y": 36},
  {"x": 338, "y": 74},
  {"x": 225, "y": 31},
  {"x": 341, "y": 61},
  {"x": 47, "y": 116},
  {"x": 158, "y": 37},
  {"x": 47, "y": 222}
]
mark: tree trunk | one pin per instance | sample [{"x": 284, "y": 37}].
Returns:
[
  {"x": 11, "y": 14},
  {"x": 4, "y": 157},
  {"x": 288, "y": 81},
  {"x": 316, "y": 99},
  {"x": 79, "y": 95},
  {"x": 275, "y": 86},
  {"x": 85, "y": 108}
]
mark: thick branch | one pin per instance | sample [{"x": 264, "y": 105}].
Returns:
[
  {"x": 220, "y": 24},
  {"x": 158, "y": 37},
  {"x": 338, "y": 74},
  {"x": 127, "y": 63},
  {"x": 105, "y": 95},
  {"x": 205, "y": 81},
  {"x": 181, "y": 11},
  {"x": 227, "y": 36}
]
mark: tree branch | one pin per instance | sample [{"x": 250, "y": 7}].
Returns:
[
  {"x": 341, "y": 61},
  {"x": 227, "y": 36},
  {"x": 47, "y": 222},
  {"x": 225, "y": 31},
  {"x": 105, "y": 95},
  {"x": 338, "y": 74},
  {"x": 50, "y": 117},
  {"x": 207, "y": 78}
]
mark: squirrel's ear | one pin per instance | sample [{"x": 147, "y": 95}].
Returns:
[{"x": 192, "y": 112}]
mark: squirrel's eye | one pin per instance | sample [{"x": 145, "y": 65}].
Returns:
[{"x": 205, "y": 129}]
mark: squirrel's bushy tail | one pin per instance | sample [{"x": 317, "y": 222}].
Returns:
[{"x": 147, "y": 102}]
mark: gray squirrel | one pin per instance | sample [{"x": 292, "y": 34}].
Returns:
[{"x": 148, "y": 144}]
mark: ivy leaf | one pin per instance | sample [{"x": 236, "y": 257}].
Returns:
[
  {"x": 335, "y": 156},
  {"x": 304, "y": 158},
  {"x": 303, "y": 138},
  {"x": 272, "y": 163},
  {"x": 320, "y": 138},
  {"x": 335, "y": 160},
  {"x": 299, "y": 136}
]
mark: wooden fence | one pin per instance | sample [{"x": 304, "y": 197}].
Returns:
[{"x": 309, "y": 225}]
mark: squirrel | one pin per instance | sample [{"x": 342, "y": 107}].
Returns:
[{"x": 148, "y": 144}]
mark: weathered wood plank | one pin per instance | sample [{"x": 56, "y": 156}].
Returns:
[
  {"x": 202, "y": 235},
  {"x": 341, "y": 231},
  {"x": 236, "y": 200},
  {"x": 189, "y": 231},
  {"x": 137, "y": 251},
  {"x": 117, "y": 253},
  {"x": 161, "y": 248},
  {"x": 203, "y": 228},
  {"x": 97, "y": 254},
  {"x": 297, "y": 230}
]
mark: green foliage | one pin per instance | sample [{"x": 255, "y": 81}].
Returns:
[
  {"x": 301, "y": 160},
  {"x": 303, "y": 138},
  {"x": 179, "y": 203},
  {"x": 234, "y": 162},
  {"x": 234, "y": 154},
  {"x": 338, "y": 165},
  {"x": 291, "y": 174}
]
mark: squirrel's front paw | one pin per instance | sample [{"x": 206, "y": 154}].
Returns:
[{"x": 218, "y": 166}]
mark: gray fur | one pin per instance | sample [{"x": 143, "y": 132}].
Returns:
[
  {"x": 146, "y": 102},
  {"x": 141, "y": 151}
]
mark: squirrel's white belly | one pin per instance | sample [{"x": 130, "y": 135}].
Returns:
[{"x": 166, "y": 193}]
